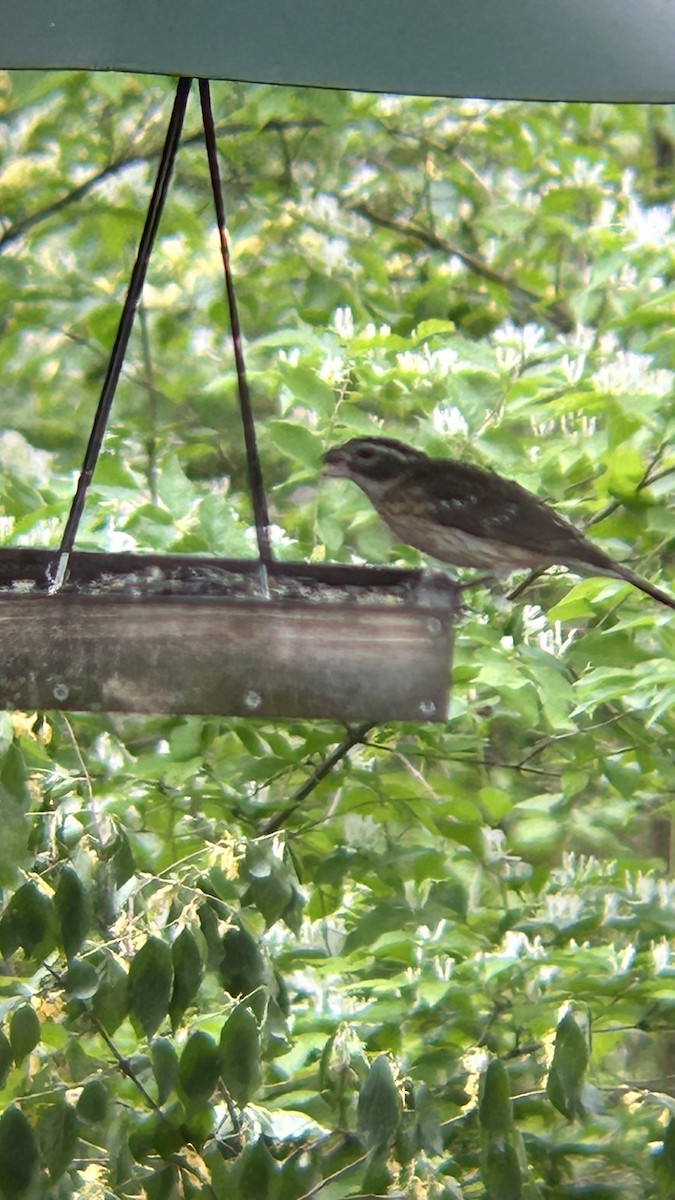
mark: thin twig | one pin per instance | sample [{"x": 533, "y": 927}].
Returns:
[
  {"x": 553, "y": 311},
  {"x": 123, "y": 1064},
  {"x": 354, "y": 736},
  {"x": 125, "y": 1068},
  {"x": 78, "y": 754},
  {"x": 19, "y": 228},
  {"x": 646, "y": 481},
  {"x": 318, "y": 1187},
  {"x": 149, "y": 381}
]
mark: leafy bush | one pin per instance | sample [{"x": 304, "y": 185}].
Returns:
[{"x": 448, "y": 971}]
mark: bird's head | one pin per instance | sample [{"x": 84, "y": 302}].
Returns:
[{"x": 370, "y": 461}]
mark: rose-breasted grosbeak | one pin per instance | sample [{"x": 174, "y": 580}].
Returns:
[{"x": 464, "y": 515}]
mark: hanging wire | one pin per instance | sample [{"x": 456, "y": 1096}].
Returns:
[
  {"x": 58, "y": 568},
  {"x": 259, "y": 502}
]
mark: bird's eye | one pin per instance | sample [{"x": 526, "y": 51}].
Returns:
[{"x": 366, "y": 453}]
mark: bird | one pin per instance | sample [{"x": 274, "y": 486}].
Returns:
[{"x": 464, "y": 515}]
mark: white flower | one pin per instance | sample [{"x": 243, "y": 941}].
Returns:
[
  {"x": 449, "y": 421},
  {"x": 584, "y": 172},
  {"x": 648, "y": 226},
  {"x": 364, "y": 831},
  {"x": 626, "y": 959},
  {"x": 661, "y": 956},
  {"x": 573, "y": 368},
  {"x": 631, "y": 373},
  {"x": 515, "y": 944},
  {"x": 494, "y": 842},
  {"x": 343, "y": 322},
  {"x": 278, "y": 536},
  {"x": 389, "y": 105},
  {"x": 332, "y": 368}
]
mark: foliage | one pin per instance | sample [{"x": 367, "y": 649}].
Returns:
[{"x": 448, "y": 973}]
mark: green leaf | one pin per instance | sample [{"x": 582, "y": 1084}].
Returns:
[
  {"x": 242, "y": 967},
  {"x": 57, "y": 1136},
  {"x": 93, "y": 1102},
  {"x": 307, "y": 388},
  {"x": 110, "y": 1004},
  {"x": 13, "y": 772},
  {"x": 81, "y": 979},
  {"x": 199, "y": 1067},
  {"x": 143, "y": 1137},
  {"x": 378, "y": 1176},
  {"x": 428, "y": 329},
  {"x": 13, "y": 812},
  {"x": 500, "y": 1171},
  {"x": 175, "y": 489},
  {"x": 18, "y": 1154},
  {"x": 256, "y": 1173},
  {"x": 188, "y": 971},
  {"x": 119, "y": 855},
  {"x": 239, "y": 1053},
  {"x": 162, "y": 1184},
  {"x": 379, "y": 1106},
  {"x": 72, "y": 907},
  {"x": 150, "y": 985},
  {"x": 568, "y": 1068},
  {"x": 24, "y": 1032},
  {"x": 6, "y": 1058},
  {"x": 495, "y": 1110},
  {"x": 270, "y": 880},
  {"x": 29, "y": 922},
  {"x": 298, "y": 442},
  {"x": 666, "y": 1159},
  {"x": 429, "y": 1133},
  {"x": 164, "y": 1067}
]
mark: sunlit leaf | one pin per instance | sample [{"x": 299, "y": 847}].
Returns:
[
  {"x": 150, "y": 984},
  {"x": 24, "y": 1031},
  {"x": 379, "y": 1106},
  {"x": 199, "y": 1067},
  {"x": 57, "y": 1137},
  {"x": 239, "y": 1054}
]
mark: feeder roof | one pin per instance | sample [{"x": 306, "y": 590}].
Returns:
[{"x": 602, "y": 50}]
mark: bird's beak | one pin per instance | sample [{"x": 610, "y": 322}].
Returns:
[{"x": 335, "y": 463}]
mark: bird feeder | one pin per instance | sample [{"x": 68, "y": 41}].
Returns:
[
  {"x": 153, "y": 633},
  {"x": 159, "y": 633}
]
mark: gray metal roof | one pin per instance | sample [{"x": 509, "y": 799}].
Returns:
[{"x": 609, "y": 50}]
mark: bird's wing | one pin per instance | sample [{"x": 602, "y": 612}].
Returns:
[{"x": 486, "y": 505}]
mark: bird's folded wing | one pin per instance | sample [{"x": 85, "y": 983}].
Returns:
[{"x": 485, "y": 505}]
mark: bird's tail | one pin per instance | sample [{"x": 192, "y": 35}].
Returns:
[{"x": 644, "y": 585}]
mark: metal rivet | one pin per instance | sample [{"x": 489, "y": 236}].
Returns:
[{"x": 252, "y": 699}]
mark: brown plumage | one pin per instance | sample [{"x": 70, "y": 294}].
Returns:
[{"x": 464, "y": 515}]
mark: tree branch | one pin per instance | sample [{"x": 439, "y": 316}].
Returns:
[
  {"x": 17, "y": 230},
  {"x": 607, "y": 511},
  {"x": 354, "y": 736},
  {"x": 555, "y": 312}
]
